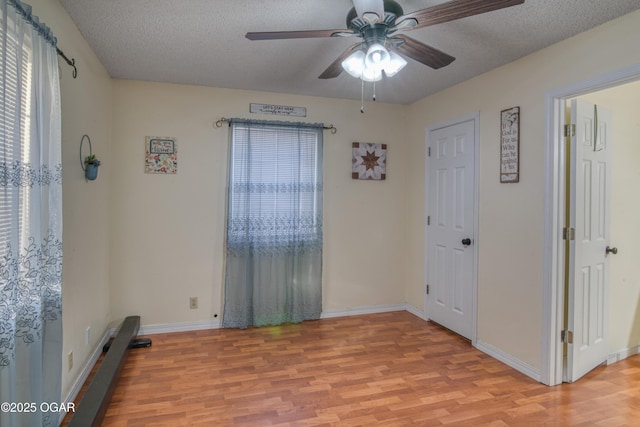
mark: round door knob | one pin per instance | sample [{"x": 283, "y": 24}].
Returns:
[
  {"x": 610, "y": 250},
  {"x": 466, "y": 242}
]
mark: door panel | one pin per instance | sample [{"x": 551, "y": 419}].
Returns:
[
  {"x": 459, "y": 283},
  {"x": 451, "y": 192},
  {"x": 590, "y": 197}
]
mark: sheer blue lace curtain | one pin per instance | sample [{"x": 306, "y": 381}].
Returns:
[
  {"x": 30, "y": 217},
  {"x": 274, "y": 224}
]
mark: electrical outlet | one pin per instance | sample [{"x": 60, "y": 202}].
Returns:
[
  {"x": 193, "y": 302},
  {"x": 70, "y": 361}
]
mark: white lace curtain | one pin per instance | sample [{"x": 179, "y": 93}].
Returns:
[
  {"x": 30, "y": 218},
  {"x": 274, "y": 224}
]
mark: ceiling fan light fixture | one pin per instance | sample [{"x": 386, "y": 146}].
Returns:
[
  {"x": 354, "y": 64},
  {"x": 396, "y": 63},
  {"x": 371, "y": 74},
  {"x": 377, "y": 56}
]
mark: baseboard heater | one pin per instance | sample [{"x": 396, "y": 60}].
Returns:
[{"x": 93, "y": 406}]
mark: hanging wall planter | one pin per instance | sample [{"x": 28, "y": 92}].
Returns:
[
  {"x": 91, "y": 169},
  {"x": 91, "y": 163}
]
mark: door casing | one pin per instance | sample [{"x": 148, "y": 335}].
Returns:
[{"x": 554, "y": 252}]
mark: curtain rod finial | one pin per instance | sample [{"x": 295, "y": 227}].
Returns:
[{"x": 71, "y": 62}]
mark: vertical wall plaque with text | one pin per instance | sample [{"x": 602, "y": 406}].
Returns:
[{"x": 510, "y": 145}]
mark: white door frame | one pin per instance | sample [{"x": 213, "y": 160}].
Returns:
[
  {"x": 553, "y": 259},
  {"x": 475, "y": 117}
]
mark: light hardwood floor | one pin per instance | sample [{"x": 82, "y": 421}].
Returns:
[{"x": 389, "y": 369}]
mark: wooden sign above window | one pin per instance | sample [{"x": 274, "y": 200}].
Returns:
[{"x": 278, "y": 110}]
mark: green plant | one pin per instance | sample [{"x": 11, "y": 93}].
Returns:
[{"x": 91, "y": 160}]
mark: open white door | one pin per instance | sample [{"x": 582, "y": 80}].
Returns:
[
  {"x": 450, "y": 227},
  {"x": 590, "y": 201}
]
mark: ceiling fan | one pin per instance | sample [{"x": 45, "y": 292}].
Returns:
[{"x": 378, "y": 23}]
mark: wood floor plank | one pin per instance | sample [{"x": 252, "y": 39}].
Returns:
[{"x": 390, "y": 369}]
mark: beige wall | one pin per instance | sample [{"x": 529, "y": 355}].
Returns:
[
  {"x": 168, "y": 230},
  {"x": 624, "y": 299},
  {"x": 86, "y": 109},
  {"x": 510, "y": 235}
]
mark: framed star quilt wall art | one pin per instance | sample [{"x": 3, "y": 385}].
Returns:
[{"x": 369, "y": 161}]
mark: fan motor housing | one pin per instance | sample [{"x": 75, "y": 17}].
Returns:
[{"x": 391, "y": 7}]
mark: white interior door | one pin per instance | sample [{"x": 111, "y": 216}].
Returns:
[
  {"x": 590, "y": 206},
  {"x": 451, "y": 227}
]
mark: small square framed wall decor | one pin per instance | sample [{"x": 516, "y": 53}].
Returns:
[
  {"x": 369, "y": 161},
  {"x": 161, "y": 155}
]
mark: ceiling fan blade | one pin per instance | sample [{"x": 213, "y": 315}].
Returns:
[
  {"x": 335, "y": 68},
  {"x": 306, "y": 34},
  {"x": 429, "y": 56},
  {"x": 369, "y": 6},
  {"x": 453, "y": 10}
]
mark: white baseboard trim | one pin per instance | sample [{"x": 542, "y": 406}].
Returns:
[
  {"x": 623, "y": 354},
  {"x": 215, "y": 324},
  {"x": 418, "y": 313},
  {"x": 85, "y": 371},
  {"x": 165, "y": 328},
  {"x": 355, "y": 311},
  {"x": 509, "y": 360}
]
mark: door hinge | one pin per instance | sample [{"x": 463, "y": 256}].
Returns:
[
  {"x": 428, "y": 151},
  {"x": 569, "y": 233},
  {"x": 566, "y": 337},
  {"x": 569, "y": 130},
  {"x": 429, "y": 220},
  {"x": 427, "y": 289}
]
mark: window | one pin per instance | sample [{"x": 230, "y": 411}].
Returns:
[
  {"x": 274, "y": 178},
  {"x": 274, "y": 224},
  {"x": 15, "y": 107}
]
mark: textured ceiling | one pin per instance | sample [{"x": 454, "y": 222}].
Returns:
[{"x": 201, "y": 42}]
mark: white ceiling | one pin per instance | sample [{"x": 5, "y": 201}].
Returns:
[{"x": 201, "y": 42}]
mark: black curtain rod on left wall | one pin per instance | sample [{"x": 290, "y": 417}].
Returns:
[{"x": 71, "y": 62}]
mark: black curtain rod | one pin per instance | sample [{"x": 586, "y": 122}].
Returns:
[
  {"x": 71, "y": 62},
  {"x": 25, "y": 11},
  {"x": 222, "y": 120}
]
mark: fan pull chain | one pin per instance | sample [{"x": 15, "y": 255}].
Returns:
[
  {"x": 362, "y": 97},
  {"x": 374, "y": 91}
]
